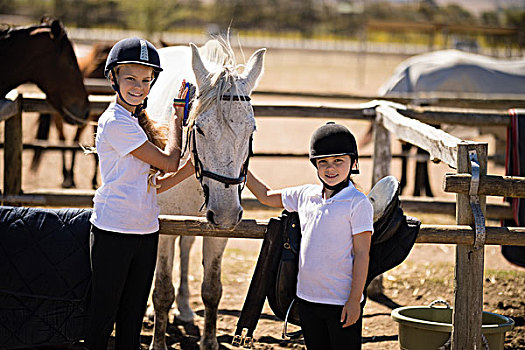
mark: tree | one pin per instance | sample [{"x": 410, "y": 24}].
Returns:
[
  {"x": 149, "y": 16},
  {"x": 490, "y": 19},
  {"x": 6, "y": 6}
]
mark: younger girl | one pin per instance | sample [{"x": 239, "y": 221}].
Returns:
[
  {"x": 336, "y": 226},
  {"x": 124, "y": 232}
]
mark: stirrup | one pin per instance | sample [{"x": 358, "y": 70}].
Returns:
[{"x": 285, "y": 334}]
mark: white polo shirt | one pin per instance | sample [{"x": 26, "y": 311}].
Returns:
[
  {"x": 123, "y": 202},
  {"x": 327, "y": 226}
]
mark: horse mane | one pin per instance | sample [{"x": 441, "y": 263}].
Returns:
[{"x": 7, "y": 31}]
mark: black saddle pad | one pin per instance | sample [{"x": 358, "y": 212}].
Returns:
[{"x": 45, "y": 276}]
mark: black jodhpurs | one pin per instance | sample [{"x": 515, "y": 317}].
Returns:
[
  {"x": 122, "y": 271},
  {"x": 322, "y": 327}
]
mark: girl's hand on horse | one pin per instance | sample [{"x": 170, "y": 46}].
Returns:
[
  {"x": 351, "y": 312},
  {"x": 179, "y": 103}
]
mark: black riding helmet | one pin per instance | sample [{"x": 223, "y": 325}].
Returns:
[
  {"x": 132, "y": 50},
  {"x": 332, "y": 140}
]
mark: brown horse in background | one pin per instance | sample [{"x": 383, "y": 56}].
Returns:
[
  {"x": 43, "y": 55},
  {"x": 91, "y": 66}
]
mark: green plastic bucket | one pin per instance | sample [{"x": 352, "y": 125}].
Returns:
[{"x": 429, "y": 327}]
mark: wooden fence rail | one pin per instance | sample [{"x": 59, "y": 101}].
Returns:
[
  {"x": 84, "y": 199},
  {"x": 35, "y": 102},
  {"x": 248, "y": 228},
  {"x": 489, "y": 185},
  {"x": 461, "y": 100},
  {"x": 72, "y": 146}
]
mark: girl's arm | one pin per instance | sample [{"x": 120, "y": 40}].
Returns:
[
  {"x": 352, "y": 308},
  {"x": 169, "y": 158},
  {"x": 263, "y": 193},
  {"x": 169, "y": 180}
]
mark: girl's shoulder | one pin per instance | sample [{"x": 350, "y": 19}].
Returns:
[
  {"x": 352, "y": 194},
  {"x": 115, "y": 114}
]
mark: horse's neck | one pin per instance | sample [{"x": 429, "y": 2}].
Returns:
[
  {"x": 10, "y": 79},
  {"x": 22, "y": 67}
]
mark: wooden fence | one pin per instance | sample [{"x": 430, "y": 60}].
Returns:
[
  {"x": 468, "y": 158},
  {"x": 99, "y": 88},
  {"x": 471, "y": 183}
]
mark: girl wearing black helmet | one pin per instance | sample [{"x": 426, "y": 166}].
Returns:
[
  {"x": 124, "y": 231},
  {"x": 336, "y": 226}
]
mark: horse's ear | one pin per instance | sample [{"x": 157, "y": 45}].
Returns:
[
  {"x": 56, "y": 28},
  {"x": 254, "y": 68},
  {"x": 200, "y": 71}
]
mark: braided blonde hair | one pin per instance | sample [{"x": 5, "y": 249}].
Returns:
[{"x": 157, "y": 134}]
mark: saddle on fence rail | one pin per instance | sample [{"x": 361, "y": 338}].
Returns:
[{"x": 275, "y": 275}]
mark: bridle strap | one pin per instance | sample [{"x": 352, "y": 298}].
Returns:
[
  {"x": 200, "y": 172},
  {"x": 224, "y": 179},
  {"x": 235, "y": 98}
]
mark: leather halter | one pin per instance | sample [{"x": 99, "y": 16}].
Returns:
[{"x": 201, "y": 173}]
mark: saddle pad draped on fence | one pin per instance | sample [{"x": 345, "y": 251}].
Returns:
[{"x": 44, "y": 276}]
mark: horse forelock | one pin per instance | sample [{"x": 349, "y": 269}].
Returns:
[{"x": 224, "y": 76}]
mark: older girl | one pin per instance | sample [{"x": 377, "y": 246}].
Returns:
[{"x": 125, "y": 222}]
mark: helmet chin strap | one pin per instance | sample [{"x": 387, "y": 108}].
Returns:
[
  {"x": 337, "y": 187},
  {"x": 138, "y": 108}
]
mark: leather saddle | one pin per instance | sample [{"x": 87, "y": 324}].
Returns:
[{"x": 275, "y": 275}]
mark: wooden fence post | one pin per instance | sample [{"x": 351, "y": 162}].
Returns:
[
  {"x": 381, "y": 168},
  {"x": 468, "y": 273},
  {"x": 382, "y": 151},
  {"x": 13, "y": 151}
]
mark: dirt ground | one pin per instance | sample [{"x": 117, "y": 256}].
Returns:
[
  {"x": 416, "y": 282},
  {"x": 425, "y": 276}
]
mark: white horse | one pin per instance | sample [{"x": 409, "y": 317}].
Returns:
[{"x": 218, "y": 138}]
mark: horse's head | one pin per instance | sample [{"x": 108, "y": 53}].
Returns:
[
  {"x": 221, "y": 128},
  {"x": 55, "y": 70}
]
